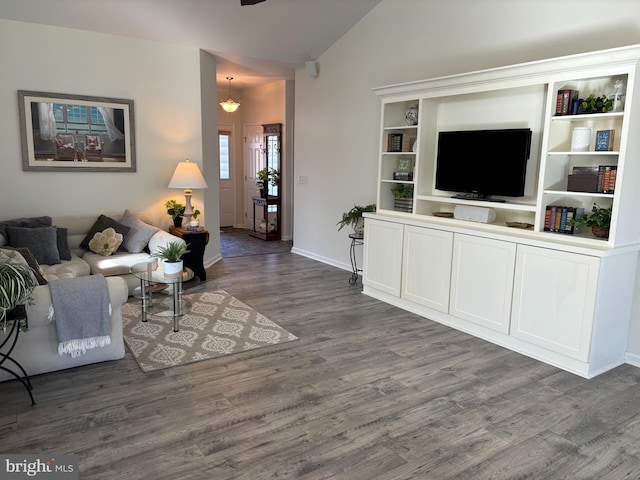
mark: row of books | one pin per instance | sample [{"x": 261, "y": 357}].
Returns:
[
  {"x": 398, "y": 142},
  {"x": 600, "y": 179},
  {"x": 559, "y": 219},
  {"x": 564, "y": 102}
]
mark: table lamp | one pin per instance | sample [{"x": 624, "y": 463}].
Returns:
[{"x": 187, "y": 176}]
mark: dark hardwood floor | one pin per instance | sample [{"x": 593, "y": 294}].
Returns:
[{"x": 369, "y": 392}]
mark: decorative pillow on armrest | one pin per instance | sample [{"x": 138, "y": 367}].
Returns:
[
  {"x": 102, "y": 223},
  {"x": 161, "y": 239},
  {"x": 139, "y": 235},
  {"x": 41, "y": 241}
]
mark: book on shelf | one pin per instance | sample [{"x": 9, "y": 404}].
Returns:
[
  {"x": 600, "y": 179},
  {"x": 559, "y": 218},
  {"x": 407, "y": 143},
  {"x": 604, "y": 140},
  {"x": 563, "y": 100},
  {"x": 403, "y": 176},
  {"x": 394, "y": 142},
  {"x": 607, "y": 178}
]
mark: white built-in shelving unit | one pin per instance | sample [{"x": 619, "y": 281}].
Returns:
[{"x": 564, "y": 299}]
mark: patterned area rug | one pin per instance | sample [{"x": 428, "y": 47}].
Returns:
[{"x": 215, "y": 324}]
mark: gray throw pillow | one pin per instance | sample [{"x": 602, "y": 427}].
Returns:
[
  {"x": 139, "y": 235},
  {"x": 41, "y": 241},
  {"x": 102, "y": 223},
  {"x": 44, "y": 221},
  {"x": 63, "y": 244}
]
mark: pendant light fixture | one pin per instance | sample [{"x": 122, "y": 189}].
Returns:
[{"x": 229, "y": 105}]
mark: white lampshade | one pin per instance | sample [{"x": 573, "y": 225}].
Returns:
[{"x": 187, "y": 176}]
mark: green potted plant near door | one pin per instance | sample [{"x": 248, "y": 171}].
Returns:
[
  {"x": 265, "y": 177},
  {"x": 354, "y": 217},
  {"x": 172, "y": 255}
]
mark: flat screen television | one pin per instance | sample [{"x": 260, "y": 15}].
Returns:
[{"x": 481, "y": 163}]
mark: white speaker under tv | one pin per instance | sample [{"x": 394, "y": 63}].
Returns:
[{"x": 474, "y": 214}]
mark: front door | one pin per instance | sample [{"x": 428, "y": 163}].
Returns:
[{"x": 253, "y": 162}]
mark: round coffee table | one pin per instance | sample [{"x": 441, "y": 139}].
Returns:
[{"x": 153, "y": 279}]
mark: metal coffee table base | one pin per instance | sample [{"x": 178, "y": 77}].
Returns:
[{"x": 149, "y": 309}]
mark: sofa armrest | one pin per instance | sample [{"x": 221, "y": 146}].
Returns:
[
  {"x": 38, "y": 311},
  {"x": 162, "y": 239}
]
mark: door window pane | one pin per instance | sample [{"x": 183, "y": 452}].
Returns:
[{"x": 225, "y": 172}]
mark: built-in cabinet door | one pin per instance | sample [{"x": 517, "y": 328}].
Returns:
[
  {"x": 554, "y": 299},
  {"x": 482, "y": 281},
  {"x": 382, "y": 255},
  {"x": 426, "y": 268}
]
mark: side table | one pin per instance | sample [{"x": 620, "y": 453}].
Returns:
[
  {"x": 269, "y": 205},
  {"x": 197, "y": 241},
  {"x": 357, "y": 239},
  {"x": 18, "y": 318}
]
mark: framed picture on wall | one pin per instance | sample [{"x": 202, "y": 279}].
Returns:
[{"x": 62, "y": 132}]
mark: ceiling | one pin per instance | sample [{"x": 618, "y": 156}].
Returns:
[{"x": 254, "y": 44}]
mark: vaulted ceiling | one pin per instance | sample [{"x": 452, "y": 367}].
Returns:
[{"x": 255, "y": 44}]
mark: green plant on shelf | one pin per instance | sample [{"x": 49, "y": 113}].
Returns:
[
  {"x": 402, "y": 190},
  {"x": 593, "y": 104}
]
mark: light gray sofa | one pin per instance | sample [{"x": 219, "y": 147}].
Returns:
[{"x": 37, "y": 349}]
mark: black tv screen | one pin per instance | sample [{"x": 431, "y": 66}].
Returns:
[{"x": 481, "y": 163}]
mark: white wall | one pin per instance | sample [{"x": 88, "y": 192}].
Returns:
[
  {"x": 162, "y": 80},
  {"x": 337, "y": 114}
]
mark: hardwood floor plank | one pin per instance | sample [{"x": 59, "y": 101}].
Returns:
[{"x": 368, "y": 392}]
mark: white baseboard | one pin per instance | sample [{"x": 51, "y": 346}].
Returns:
[
  {"x": 328, "y": 261},
  {"x": 632, "y": 359}
]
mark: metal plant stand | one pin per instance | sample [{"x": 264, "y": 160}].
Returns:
[
  {"x": 357, "y": 239},
  {"x": 18, "y": 318}
]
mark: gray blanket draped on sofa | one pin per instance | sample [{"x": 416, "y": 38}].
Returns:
[{"x": 81, "y": 310}]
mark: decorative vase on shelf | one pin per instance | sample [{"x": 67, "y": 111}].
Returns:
[{"x": 411, "y": 116}]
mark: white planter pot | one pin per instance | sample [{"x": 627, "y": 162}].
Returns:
[{"x": 173, "y": 269}]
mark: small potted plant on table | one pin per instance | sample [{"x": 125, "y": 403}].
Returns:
[{"x": 172, "y": 255}]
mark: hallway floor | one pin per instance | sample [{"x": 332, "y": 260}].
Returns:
[{"x": 236, "y": 242}]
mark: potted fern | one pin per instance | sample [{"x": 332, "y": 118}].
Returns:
[
  {"x": 16, "y": 287},
  {"x": 172, "y": 255},
  {"x": 354, "y": 217}
]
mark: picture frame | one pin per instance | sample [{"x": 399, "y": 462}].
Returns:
[{"x": 68, "y": 133}]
